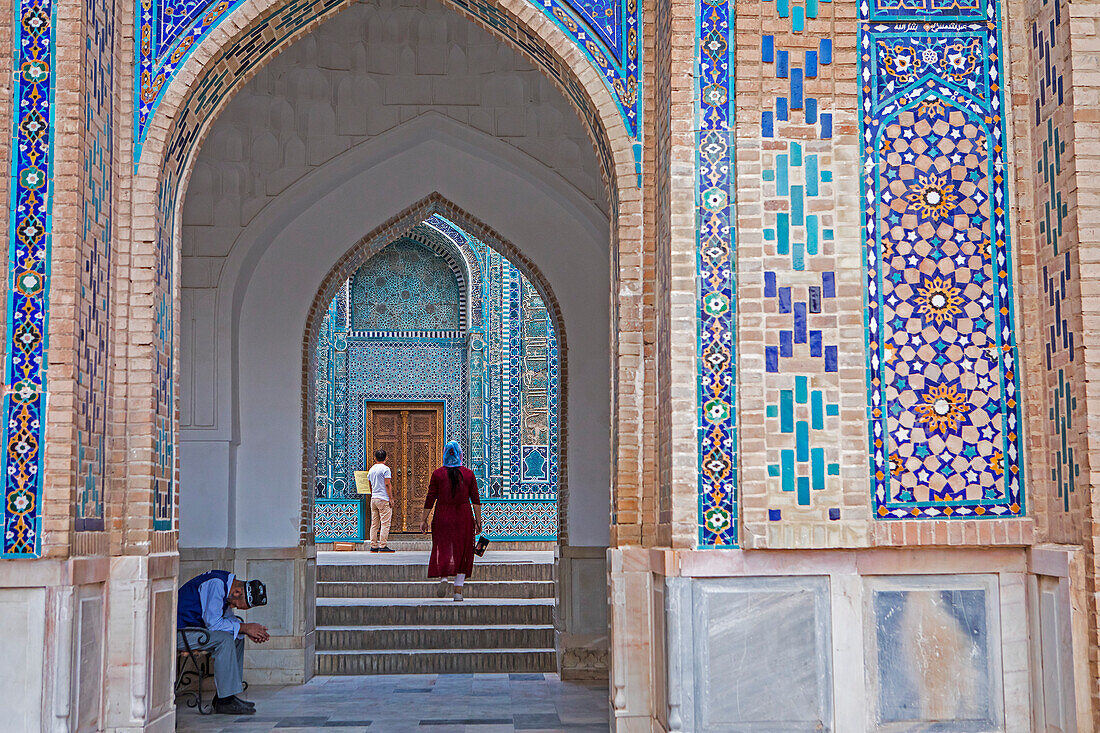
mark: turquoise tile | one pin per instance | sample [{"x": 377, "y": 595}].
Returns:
[
  {"x": 834, "y": 469},
  {"x": 798, "y": 206},
  {"x": 782, "y": 176},
  {"x": 817, "y": 410},
  {"x": 802, "y": 440},
  {"x": 772, "y": 411},
  {"x": 812, "y": 246},
  {"x": 796, "y": 148},
  {"x": 801, "y": 389},
  {"x": 783, "y": 233},
  {"x": 786, "y": 411},
  {"x": 803, "y": 490},
  {"x": 773, "y": 469},
  {"x": 811, "y": 175},
  {"x": 787, "y": 460},
  {"x": 832, "y": 409},
  {"x": 817, "y": 468}
]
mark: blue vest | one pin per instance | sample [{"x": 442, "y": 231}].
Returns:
[{"x": 189, "y": 611}]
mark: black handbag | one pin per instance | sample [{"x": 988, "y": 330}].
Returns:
[{"x": 480, "y": 545}]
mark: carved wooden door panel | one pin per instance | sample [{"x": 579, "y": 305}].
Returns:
[
  {"x": 422, "y": 448},
  {"x": 386, "y": 434},
  {"x": 412, "y": 436}
]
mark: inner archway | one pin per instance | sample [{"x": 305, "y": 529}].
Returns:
[{"x": 440, "y": 320}]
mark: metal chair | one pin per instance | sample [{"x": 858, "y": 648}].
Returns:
[{"x": 192, "y": 666}]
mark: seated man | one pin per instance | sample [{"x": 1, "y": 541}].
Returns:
[{"x": 205, "y": 602}]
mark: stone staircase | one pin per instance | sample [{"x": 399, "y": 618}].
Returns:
[{"x": 383, "y": 616}]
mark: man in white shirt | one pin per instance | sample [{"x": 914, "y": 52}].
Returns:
[{"x": 381, "y": 508}]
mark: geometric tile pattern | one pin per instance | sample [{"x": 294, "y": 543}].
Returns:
[
  {"x": 715, "y": 267},
  {"x": 942, "y": 359},
  {"x": 520, "y": 520},
  {"x": 605, "y": 31},
  {"x": 405, "y": 286},
  {"x": 1057, "y": 263},
  {"x": 28, "y": 277},
  {"x": 93, "y": 301},
  {"x": 335, "y": 520}
]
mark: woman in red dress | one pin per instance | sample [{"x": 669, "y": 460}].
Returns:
[{"x": 453, "y": 491}]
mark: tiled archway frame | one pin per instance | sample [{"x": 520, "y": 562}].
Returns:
[
  {"x": 234, "y": 51},
  {"x": 367, "y": 247}
]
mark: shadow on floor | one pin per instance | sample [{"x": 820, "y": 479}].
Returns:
[{"x": 454, "y": 703}]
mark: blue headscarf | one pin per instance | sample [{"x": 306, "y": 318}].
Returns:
[{"x": 452, "y": 454}]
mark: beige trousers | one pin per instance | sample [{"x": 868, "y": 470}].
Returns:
[{"x": 380, "y": 513}]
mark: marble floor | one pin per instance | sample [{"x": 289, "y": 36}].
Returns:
[{"x": 457, "y": 703}]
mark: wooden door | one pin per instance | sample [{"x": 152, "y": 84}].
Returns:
[{"x": 412, "y": 436}]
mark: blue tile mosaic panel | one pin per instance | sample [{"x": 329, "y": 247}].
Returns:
[
  {"x": 942, "y": 359},
  {"x": 606, "y": 32},
  {"x": 405, "y": 287},
  {"x": 718, "y": 522},
  {"x": 28, "y": 277},
  {"x": 93, "y": 301},
  {"x": 336, "y": 520}
]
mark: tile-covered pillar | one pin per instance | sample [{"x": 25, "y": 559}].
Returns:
[{"x": 802, "y": 386}]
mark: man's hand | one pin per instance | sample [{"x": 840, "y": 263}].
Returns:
[
  {"x": 424, "y": 525},
  {"x": 255, "y": 632},
  {"x": 477, "y": 526}
]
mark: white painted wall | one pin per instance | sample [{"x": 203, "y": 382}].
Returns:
[{"x": 252, "y": 263}]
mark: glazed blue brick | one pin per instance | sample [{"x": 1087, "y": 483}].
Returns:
[
  {"x": 767, "y": 124},
  {"x": 796, "y": 88},
  {"x": 767, "y": 49},
  {"x": 785, "y": 300},
  {"x": 771, "y": 359},
  {"x": 830, "y": 359},
  {"x": 815, "y": 343},
  {"x": 800, "y": 323},
  {"x": 834, "y": 514},
  {"x": 774, "y": 515},
  {"x": 814, "y": 300},
  {"x": 781, "y": 109},
  {"x": 828, "y": 284},
  {"x": 826, "y": 125},
  {"x": 786, "y": 344},
  {"x": 811, "y": 64},
  {"x": 782, "y": 65},
  {"x": 825, "y": 51},
  {"x": 769, "y": 285}
]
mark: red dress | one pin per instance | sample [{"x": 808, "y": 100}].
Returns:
[{"x": 453, "y": 523}]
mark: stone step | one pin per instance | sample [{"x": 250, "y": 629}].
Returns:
[
  {"x": 436, "y": 589},
  {"x": 433, "y": 612},
  {"x": 396, "y": 572},
  {"x": 434, "y": 661},
  {"x": 410, "y": 541},
  {"x": 385, "y": 637}
]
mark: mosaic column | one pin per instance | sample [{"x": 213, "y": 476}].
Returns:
[
  {"x": 800, "y": 293},
  {"x": 27, "y": 281},
  {"x": 1056, "y": 363},
  {"x": 942, "y": 361}
]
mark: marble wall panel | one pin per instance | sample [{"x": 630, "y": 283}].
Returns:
[
  {"x": 932, "y": 652},
  {"x": 88, "y": 664},
  {"x": 22, "y": 649},
  {"x": 278, "y": 614},
  {"x": 774, "y": 631}
]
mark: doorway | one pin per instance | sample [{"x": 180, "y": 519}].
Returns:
[{"x": 411, "y": 433}]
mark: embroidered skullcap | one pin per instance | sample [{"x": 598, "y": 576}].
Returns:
[
  {"x": 452, "y": 454},
  {"x": 255, "y": 593}
]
